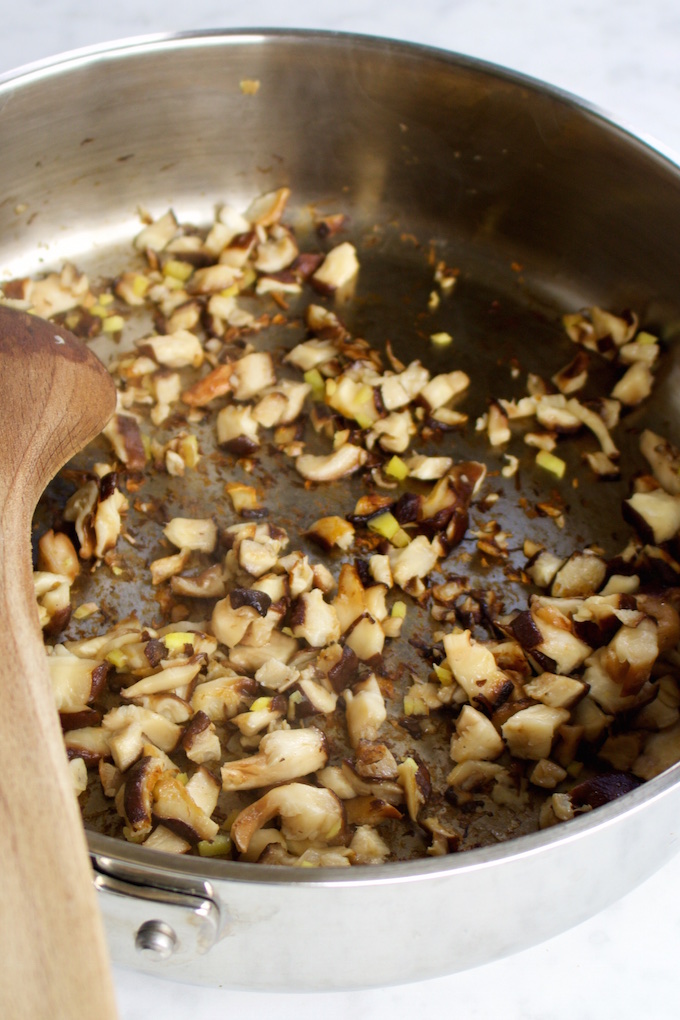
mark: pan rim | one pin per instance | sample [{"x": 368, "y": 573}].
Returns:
[
  {"x": 106, "y": 850},
  {"x": 124, "y": 46}
]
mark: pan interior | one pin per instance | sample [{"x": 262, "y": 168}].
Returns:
[{"x": 540, "y": 206}]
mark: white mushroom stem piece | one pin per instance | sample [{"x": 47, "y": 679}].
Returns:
[
  {"x": 365, "y": 710},
  {"x": 306, "y": 812},
  {"x": 283, "y": 755},
  {"x": 344, "y": 461},
  {"x": 663, "y": 458}
]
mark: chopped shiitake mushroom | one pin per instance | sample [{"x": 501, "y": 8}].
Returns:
[
  {"x": 346, "y": 460},
  {"x": 269, "y": 708},
  {"x": 474, "y": 668},
  {"x": 365, "y": 710},
  {"x": 475, "y": 738},
  {"x": 309, "y": 817},
  {"x": 283, "y": 755},
  {"x": 530, "y": 732}
]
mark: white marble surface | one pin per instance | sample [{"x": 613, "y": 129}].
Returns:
[{"x": 622, "y": 55}]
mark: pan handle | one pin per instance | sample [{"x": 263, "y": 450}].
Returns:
[{"x": 148, "y": 925}]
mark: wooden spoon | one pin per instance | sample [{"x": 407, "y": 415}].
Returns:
[{"x": 54, "y": 397}]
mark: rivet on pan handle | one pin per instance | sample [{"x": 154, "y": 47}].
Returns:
[{"x": 148, "y": 926}]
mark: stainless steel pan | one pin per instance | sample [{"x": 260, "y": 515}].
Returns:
[{"x": 546, "y": 207}]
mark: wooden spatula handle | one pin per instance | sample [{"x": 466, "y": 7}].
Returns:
[{"x": 53, "y": 956}]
